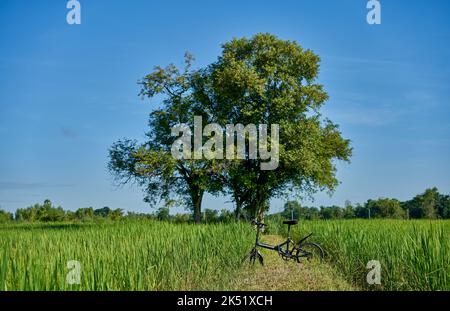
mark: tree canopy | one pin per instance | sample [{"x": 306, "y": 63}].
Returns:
[{"x": 261, "y": 80}]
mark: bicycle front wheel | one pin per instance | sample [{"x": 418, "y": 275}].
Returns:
[{"x": 310, "y": 251}]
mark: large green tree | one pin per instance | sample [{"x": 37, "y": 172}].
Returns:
[
  {"x": 261, "y": 80},
  {"x": 266, "y": 80}
]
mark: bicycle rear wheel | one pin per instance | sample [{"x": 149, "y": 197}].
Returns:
[{"x": 310, "y": 251}]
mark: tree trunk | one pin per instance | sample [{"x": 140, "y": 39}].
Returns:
[
  {"x": 239, "y": 198},
  {"x": 197, "y": 197},
  {"x": 238, "y": 209},
  {"x": 261, "y": 203}
]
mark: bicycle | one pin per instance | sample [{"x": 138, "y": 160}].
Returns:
[{"x": 288, "y": 249}]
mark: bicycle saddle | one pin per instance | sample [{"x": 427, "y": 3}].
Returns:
[{"x": 290, "y": 222}]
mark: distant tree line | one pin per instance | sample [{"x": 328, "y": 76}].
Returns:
[
  {"x": 429, "y": 204},
  {"x": 209, "y": 216},
  {"x": 46, "y": 212}
]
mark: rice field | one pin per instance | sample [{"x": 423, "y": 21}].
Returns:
[
  {"x": 414, "y": 254},
  {"x": 152, "y": 255},
  {"x": 129, "y": 255}
]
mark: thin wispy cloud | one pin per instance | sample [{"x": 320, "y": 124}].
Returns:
[
  {"x": 370, "y": 110},
  {"x": 13, "y": 185}
]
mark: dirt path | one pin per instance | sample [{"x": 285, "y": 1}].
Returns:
[{"x": 277, "y": 274}]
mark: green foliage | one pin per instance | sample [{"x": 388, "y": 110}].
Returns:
[
  {"x": 348, "y": 211},
  {"x": 106, "y": 212},
  {"x": 103, "y": 212},
  {"x": 139, "y": 216},
  {"x": 5, "y": 216},
  {"x": 85, "y": 214},
  {"x": 226, "y": 216},
  {"x": 45, "y": 213},
  {"x": 443, "y": 208},
  {"x": 48, "y": 213},
  {"x": 330, "y": 212},
  {"x": 210, "y": 215},
  {"x": 182, "y": 218},
  {"x": 385, "y": 208},
  {"x": 116, "y": 214},
  {"x": 163, "y": 214},
  {"x": 293, "y": 209},
  {"x": 430, "y": 204}
]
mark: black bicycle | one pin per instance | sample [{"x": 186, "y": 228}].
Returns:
[{"x": 288, "y": 249}]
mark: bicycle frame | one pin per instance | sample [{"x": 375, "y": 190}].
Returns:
[
  {"x": 279, "y": 247},
  {"x": 283, "y": 249},
  {"x": 304, "y": 239}
]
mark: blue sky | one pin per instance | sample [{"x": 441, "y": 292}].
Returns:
[{"x": 67, "y": 92}]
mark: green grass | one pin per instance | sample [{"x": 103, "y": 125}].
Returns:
[
  {"x": 130, "y": 255},
  {"x": 414, "y": 255},
  {"x": 151, "y": 255}
]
